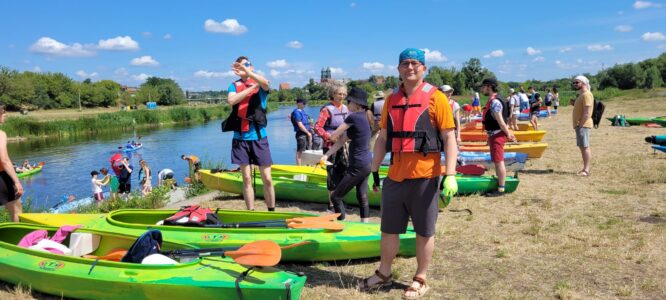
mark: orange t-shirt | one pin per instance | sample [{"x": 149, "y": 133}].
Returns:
[{"x": 413, "y": 165}]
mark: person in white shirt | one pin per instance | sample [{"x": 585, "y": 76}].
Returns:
[
  {"x": 97, "y": 187},
  {"x": 514, "y": 102}
]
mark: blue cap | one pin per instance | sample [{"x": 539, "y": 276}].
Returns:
[{"x": 412, "y": 53}]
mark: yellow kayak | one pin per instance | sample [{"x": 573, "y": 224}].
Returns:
[
  {"x": 306, "y": 170},
  {"x": 533, "y": 150},
  {"x": 521, "y": 136},
  {"x": 478, "y": 126}
]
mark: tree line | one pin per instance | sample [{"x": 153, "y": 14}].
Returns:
[{"x": 30, "y": 90}]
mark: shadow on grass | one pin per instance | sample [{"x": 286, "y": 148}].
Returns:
[
  {"x": 546, "y": 171},
  {"x": 323, "y": 277}
]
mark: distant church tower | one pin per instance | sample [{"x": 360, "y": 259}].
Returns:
[{"x": 326, "y": 75}]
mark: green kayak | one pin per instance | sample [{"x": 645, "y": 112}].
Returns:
[
  {"x": 290, "y": 186},
  {"x": 30, "y": 172},
  {"x": 660, "y": 120},
  {"x": 356, "y": 240},
  {"x": 85, "y": 278},
  {"x": 635, "y": 121}
]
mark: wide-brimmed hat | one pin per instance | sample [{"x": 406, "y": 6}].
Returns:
[
  {"x": 358, "y": 96},
  {"x": 446, "y": 88}
]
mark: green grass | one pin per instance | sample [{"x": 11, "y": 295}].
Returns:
[{"x": 156, "y": 199}]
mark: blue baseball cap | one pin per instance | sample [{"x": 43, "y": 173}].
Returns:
[{"x": 412, "y": 53}]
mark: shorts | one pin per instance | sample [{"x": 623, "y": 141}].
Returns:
[
  {"x": 98, "y": 196},
  {"x": 124, "y": 187},
  {"x": 7, "y": 189},
  {"x": 555, "y": 106},
  {"x": 415, "y": 198},
  {"x": 197, "y": 166},
  {"x": 255, "y": 152},
  {"x": 496, "y": 143},
  {"x": 114, "y": 184},
  {"x": 534, "y": 113},
  {"x": 583, "y": 137},
  {"x": 515, "y": 113},
  {"x": 301, "y": 141},
  {"x": 335, "y": 172},
  {"x": 477, "y": 107}
]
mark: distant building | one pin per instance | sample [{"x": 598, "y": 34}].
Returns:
[
  {"x": 129, "y": 89},
  {"x": 284, "y": 86},
  {"x": 326, "y": 75},
  {"x": 378, "y": 80}
]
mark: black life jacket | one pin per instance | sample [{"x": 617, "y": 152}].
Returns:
[{"x": 489, "y": 122}]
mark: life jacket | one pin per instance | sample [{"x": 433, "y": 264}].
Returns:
[
  {"x": 249, "y": 110},
  {"x": 488, "y": 120},
  {"x": 304, "y": 118},
  {"x": 409, "y": 126},
  {"x": 336, "y": 117},
  {"x": 115, "y": 163},
  {"x": 148, "y": 243},
  {"x": 193, "y": 215},
  {"x": 377, "y": 109}
]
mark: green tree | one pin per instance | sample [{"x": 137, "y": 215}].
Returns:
[
  {"x": 474, "y": 73},
  {"x": 653, "y": 78},
  {"x": 164, "y": 91}
]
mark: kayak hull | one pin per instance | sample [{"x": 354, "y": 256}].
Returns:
[
  {"x": 521, "y": 136},
  {"x": 356, "y": 240},
  {"x": 82, "y": 278},
  {"x": 533, "y": 150},
  {"x": 660, "y": 148},
  {"x": 634, "y": 121},
  {"x": 513, "y": 161},
  {"x": 30, "y": 172}
]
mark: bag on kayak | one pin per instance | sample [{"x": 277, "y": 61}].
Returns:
[
  {"x": 597, "y": 112},
  {"x": 193, "y": 215},
  {"x": 147, "y": 244}
]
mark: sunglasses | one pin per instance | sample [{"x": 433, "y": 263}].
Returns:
[
  {"x": 247, "y": 64},
  {"x": 575, "y": 82}
]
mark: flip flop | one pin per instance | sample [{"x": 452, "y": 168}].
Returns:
[{"x": 583, "y": 173}]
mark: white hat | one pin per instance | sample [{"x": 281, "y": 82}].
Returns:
[
  {"x": 446, "y": 88},
  {"x": 584, "y": 80},
  {"x": 512, "y": 91}
]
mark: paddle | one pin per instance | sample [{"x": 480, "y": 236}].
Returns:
[
  {"x": 321, "y": 222},
  {"x": 259, "y": 253}
]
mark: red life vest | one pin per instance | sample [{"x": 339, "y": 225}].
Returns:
[
  {"x": 196, "y": 216},
  {"x": 409, "y": 126},
  {"x": 246, "y": 111}
]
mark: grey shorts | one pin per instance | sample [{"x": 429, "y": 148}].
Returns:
[
  {"x": 415, "y": 198},
  {"x": 583, "y": 137}
]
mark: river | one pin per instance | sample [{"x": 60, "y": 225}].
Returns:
[{"x": 70, "y": 160}]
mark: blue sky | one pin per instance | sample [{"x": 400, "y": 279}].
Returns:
[{"x": 194, "y": 42}]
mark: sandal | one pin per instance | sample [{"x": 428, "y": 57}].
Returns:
[
  {"x": 420, "y": 291},
  {"x": 385, "y": 281},
  {"x": 583, "y": 173}
]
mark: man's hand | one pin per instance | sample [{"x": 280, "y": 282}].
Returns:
[
  {"x": 19, "y": 189},
  {"x": 238, "y": 67},
  {"x": 511, "y": 136},
  {"x": 376, "y": 182}
]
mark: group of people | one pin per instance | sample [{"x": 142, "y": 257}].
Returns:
[{"x": 26, "y": 166}]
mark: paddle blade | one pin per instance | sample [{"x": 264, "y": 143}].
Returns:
[
  {"x": 335, "y": 226},
  {"x": 259, "y": 253},
  {"x": 113, "y": 255},
  {"x": 326, "y": 218}
]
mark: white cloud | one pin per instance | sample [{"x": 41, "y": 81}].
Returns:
[
  {"x": 295, "y": 44},
  {"x": 167, "y": 36},
  {"x": 83, "y": 74},
  {"x": 276, "y": 64},
  {"x": 645, "y": 4},
  {"x": 140, "y": 77},
  {"x": 532, "y": 51},
  {"x": 599, "y": 47},
  {"x": 37, "y": 69},
  {"x": 337, "y": 71},
  {"x": 47, "y": 45},
  {"x": 494, "y": 53},
  {"x": 121, "y": 72},
  {"x": 209, "y": 74},
  {"x": 653, "y": 36},
  {"x": 434, "y": 55},
  {"x": 566, "y": 49},
  {"x": 119, "y": 43},
  {"x": 373, "y": 66},
  {"x": 230, "y": 26},
  {"x": 539, "y": 58},
  {"x": 662, "y": 47},
  {"x": 623, "y": 28},
  {"x": 147, "y": 34},
  {"x": 286, "y": 73},
  {"x": 565, "y": 66},
  {"x": 146, "y": 61}
]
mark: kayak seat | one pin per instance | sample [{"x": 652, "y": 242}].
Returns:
[{"x": 113, "y": 255}]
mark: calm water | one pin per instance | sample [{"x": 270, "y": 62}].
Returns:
[{"x": 69, "y": 161}]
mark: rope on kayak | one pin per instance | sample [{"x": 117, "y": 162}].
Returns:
[
  {"x": 240, "y": 278},
  {"x": 93, "y": 266}
]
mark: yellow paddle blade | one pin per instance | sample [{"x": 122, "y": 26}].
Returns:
[{"x": 318, "y": 225}]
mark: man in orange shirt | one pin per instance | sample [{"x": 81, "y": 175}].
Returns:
[{"x": 416, "y": 126}]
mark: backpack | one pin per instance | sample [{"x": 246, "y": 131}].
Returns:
[
  {"x": 597, "y": 112},
  {"x": 506, "y": 108},
  {"x": 147, "y": 244}
]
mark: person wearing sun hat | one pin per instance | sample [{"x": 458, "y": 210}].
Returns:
[
  {"x": 415, "y": 127},
  {"x": 455, "y": 107},
  {"x": 356, "y": 129},
  {"x": 582, "y": 120}
]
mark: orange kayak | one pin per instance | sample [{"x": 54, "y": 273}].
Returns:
[
  {"x": 533, "y": 150},
  {"x": 521, "y": 136}
]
